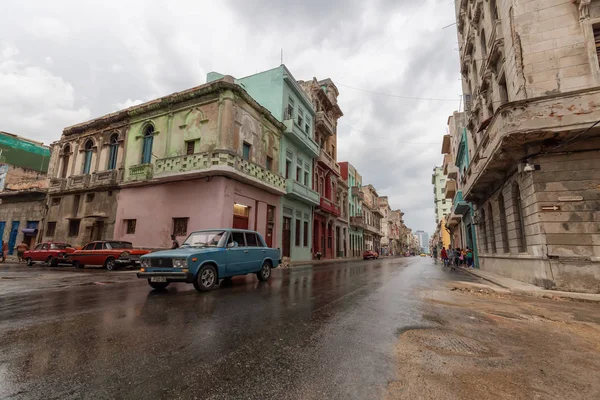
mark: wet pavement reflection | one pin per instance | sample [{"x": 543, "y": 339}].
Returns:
[{"x": 322, "y": 332}]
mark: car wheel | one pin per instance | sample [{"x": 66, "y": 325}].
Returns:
[
  {"x": 265, "y": 272},
  {"x": 110, "y": 264},
  {"x": 51, "y": 262},
  {"x": 206, "y": 278},
  {"x": 78, "y": 265},
  {"x": 29, "y": 262},
  {"x": 158, "y": 285}
]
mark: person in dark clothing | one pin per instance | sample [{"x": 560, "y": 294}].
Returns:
[{"x": 174, "y": 242}]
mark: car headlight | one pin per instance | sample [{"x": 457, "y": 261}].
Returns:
[
  {"x": 179, "y": 263},
  {"x": 124, "y": 254},
  {"x": 145, "y": 262}
]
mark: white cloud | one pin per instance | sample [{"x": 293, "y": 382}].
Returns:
[
  {"x": 47, "y": 28},
  {"x": 49, "y": 60},
  {"x": 127, "y": 103}
]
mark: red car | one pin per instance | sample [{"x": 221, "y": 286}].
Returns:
[
  {"x": 111, "y": 254},
  {"x": 370, "y": 255},
  {"x": 50, "y": 253}
]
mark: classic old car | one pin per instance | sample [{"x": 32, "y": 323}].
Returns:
[
  {"x": 370, "y": 255},
  {"x": 208, "y": 256},
  {"x": 50, "y": 253},
  {"x": 109, "y": 253}
]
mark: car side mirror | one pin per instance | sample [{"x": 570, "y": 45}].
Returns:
[{"x": 232, "y": 244}]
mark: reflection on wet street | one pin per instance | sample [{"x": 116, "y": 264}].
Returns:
[{"x": 322, "y": 332}]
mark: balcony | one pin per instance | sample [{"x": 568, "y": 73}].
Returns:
[
  {"x": 328, "y": 161},
  {"x": 357, "y": 222},
  {"x": 328, "y": 206},
  {"x": 141, "y": 172},
  {"x": 110, "y": 177},
  {"x": 450, "y": 188},
  {"x": 446, "y": 144},
  {"x": 300, "y": 138},
  {"x": 57, "y": 184},
  {"x": 323, "y": 122},
  {"x": 358, "y": 192},
  {"x": 215, "y": 163},
  {"x": 302, "y": 193},
  {"x": 79, "y": 181}
]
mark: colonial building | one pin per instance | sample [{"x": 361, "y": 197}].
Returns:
[
  {"x": 355, "y": 201},
  {"x": 442, "y": 205},
  {"x": 278, "y": 91},
  {"x": 459, "y": 223},
  {"x": 330, "y": 217},
  {"x": 531, "y": 83},
  {"x": 397, "y": 227},
  {"x": 23, "y": 187},
  {"x": 372, "y": 219},
  {"x": 207, "y": 157}
]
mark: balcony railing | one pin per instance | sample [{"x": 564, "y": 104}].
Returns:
[
  {"x": 215, "y": 163},
  {"x": 79, "y": 181},
  {"x": 57, "y": 184},
  {"x": 326, "y": 159},
  {"x": 329, "y": 206},
  {"x": 450, "y": 188},
  {"x": 296, "y": 134},
  {"x": 322, "y": 121},
  {"x": 358, "y": 222},
  {"x": 358, "y": 192},
  {"x": 109, "y": 177},
  {"x": 141, "y": 172},
  {"x": 300, "y": 192}
]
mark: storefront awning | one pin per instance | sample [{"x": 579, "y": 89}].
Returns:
[
  {"x": 29, "y": 231},
  {"x": 461, "y": 208}
]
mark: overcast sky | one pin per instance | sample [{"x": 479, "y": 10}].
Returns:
[{"x": 63, "y": 62}]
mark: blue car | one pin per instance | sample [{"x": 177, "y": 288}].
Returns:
[{"x": 208, "y": 256}]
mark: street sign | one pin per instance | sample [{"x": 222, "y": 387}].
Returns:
[
  {"x": 571, "y": 198},
  {"x": 550, "y": 208}
]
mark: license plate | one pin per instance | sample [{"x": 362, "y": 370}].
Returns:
[{"x": 158, "y": 279}]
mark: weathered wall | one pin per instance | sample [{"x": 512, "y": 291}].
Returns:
[
  {"x": 17, "y": 175},
  {"x": 22, "y": 208},
  {"x": 207, "y": 204}
]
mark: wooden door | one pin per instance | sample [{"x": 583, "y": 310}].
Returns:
[
  {"x": 287, "y": 236},
  {"x": 240, "y": 222}
]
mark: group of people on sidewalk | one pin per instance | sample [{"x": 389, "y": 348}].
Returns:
[{"x": 456, "y": 257}]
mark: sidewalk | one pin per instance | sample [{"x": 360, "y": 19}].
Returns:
[{"x": 522, "y": 288}]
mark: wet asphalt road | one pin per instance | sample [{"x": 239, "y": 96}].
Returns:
[{"x": 308, "y": 333}]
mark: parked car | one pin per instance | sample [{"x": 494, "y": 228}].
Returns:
[
  {"x": 370, "y": 255},
  {"x": 50, "y": 253},
  {"x": 208, "y": 256},
  {"x": 111, "y": 254}
]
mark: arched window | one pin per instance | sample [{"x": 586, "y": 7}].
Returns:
[
  {"x": 87, "y": 158},
  {"x": 503, "y": 223},
  {"x": 147, "y": 146},
  {"x": 65, "y": 161},
  {"x": 492, "y": 229},
  {"x": 519, "y": 222},
  {"x": 113, "y": 147},
  {"x": 483, "y": 230}
]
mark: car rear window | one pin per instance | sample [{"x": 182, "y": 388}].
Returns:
[
  {"x": 119, "y": 245},
  {"x": 251, "y": 239}
]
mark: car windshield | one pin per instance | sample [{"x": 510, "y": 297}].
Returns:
[
  {"x": 58, "y": 246},
  {"x": 119, "y": 245},
  {"x": 206, "y": 239}
]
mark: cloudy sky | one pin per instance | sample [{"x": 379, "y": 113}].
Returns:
[{"x": 66, "y": 61}]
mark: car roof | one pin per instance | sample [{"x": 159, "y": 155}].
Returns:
[{"x": 226, "y": 229}]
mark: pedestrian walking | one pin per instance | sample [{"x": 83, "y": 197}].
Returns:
[
  {"x": 2, "y": 250},
  {"x": 174, "y": 242},
  {"x": 444, "y": 255},
  {"x": 21, "y": 249},
  {"x": 469, "y": 257}
]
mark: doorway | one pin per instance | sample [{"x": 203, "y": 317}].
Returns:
[
  {"x": 270, "y": 225},
  {"x": 12, "y": 239},
  {"x": 241, "y": 216},
  {"x": 287, "y": 236},
  {"x": 97, "y": 231}
]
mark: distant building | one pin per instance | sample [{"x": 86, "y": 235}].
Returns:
[
  {"x": 423, "y": 240},
  {"x": 442, "y": 205},
  {"x": 23, "y": 187}
]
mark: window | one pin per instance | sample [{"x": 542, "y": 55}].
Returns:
[
  {"x": 147, "y": 144},
  {"x": 492, "y": 229},
  {"x": 251, "y": 240},
  {"x": 65, "y": 161},
  {"x": 288, "y": 167},
  {"x": 493, "y": 10},
  {"x": 298, "y": 226},
  {"x": 99, "y": 246},
  {"x": 56, "y": 201},
  {"x": 89, "y": 246},
  {"x": 307, "y": 125},
  {"x": 289, "y": 110},
  {"x": 113, "y": 151},
  {"x": 269, "y": 163},
  {"x": 305, "y": 233},
  {"x": 74, "y": 227},
  {"x": 300, "y": 117},
  {"x": 246, "y": 151},
  {"x": 503, "y": 90},
  {"x": 38, "y": 247},
  {"x": 483, "y": 44},
  {"x": 519, "y": 221},
  {"x": 50, "y": 228},
  {"x": 503, "y": 232},
  {"x": 109, "y": 193},
  {"x": 299, "y": 172},
  {"x": 306, "y": 178},
  {"x": 76, "y": 200},
  {"x": 180, "y": 226},
  {"x": 87, "y": 156},
  {"x": 238, "y": 237},
  {"x": 89, "y": 197},
  {"x": 130, "y": 224},
  {"x": 190, "y": 147}
]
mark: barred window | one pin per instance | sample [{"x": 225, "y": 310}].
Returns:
[
  {"x": 180, "y": 226},
  {"x": 130, "y": 223}
]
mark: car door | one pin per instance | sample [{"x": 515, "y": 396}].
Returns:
[
  {"x": 84, "y": 256},
  {"x": 237, "y": 256},
  {"x": 44, "y": 252},
  {"x": 34, "y": 253},
  {"x": 256, "y": 252},
  {"x": 98, "y": 254}
]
